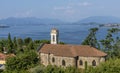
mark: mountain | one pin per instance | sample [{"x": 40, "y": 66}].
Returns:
[
  {"x": 38, "y": 21},
  {"x": 29, "y": 21},
  {"x": 100, "y": 19}
]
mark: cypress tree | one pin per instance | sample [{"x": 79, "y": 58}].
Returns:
[{"x": 10, "y": 44}]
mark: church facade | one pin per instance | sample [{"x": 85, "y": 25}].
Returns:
[{"x": 69, "y": 55}]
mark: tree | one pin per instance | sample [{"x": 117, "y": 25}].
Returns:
[
  {"x": 109, "y": 42},
  {"x": 20, "y": 43},
  {"x": 22, "y": 61},
  {"x": 31, "y": 46},
  {"x": 91, "y": 39},
  {"x": 110, "y": 66},
  {"x": 1, "y": 46},
  {"x": 15, "y": 44},
  {"x": 27, "y": 40},
  {"x": 10, "y": 44},
  {"x": 116, "y": 51},
  {"x": 37, "y": 69}
]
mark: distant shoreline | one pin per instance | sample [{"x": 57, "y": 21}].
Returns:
[{"x": 4, "y": 26}]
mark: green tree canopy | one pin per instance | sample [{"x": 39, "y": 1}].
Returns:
[
  {"x": 22, "y": 61},
  {"x": 110, "y": 66},
  {"x": 91, "y": 39}
]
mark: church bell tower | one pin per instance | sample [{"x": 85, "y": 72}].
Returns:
[{"x": 54, "y": 36}]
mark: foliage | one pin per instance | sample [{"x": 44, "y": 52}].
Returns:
[
  {"x": 22, "y": 61},
  {"x": 3, "y": 43},
  {"x": 109, "y": 43},
  {"x": 110, "y": 66},
  {"x": 31, "y": 46},
  {"x": 1, "y": 46},
  {"x": 19, "y": 43},
  {"x": 91, "y": 39},
  {"x": 10, "y": 45},
  {"x": 15, "y": 43},
  {"x": 116, "y": 50},
  {"x": 27, "y": 40},
  {"x": 85, "y": 66},
  {"x": 37, "y": 69},
  {"x": 26, "y": 57},
  {"x": 61, "y": 43},
  {"x": 15, "y": 71},
  {"x": 55, "y": 69},
  {"x": 72, "y": 70}
]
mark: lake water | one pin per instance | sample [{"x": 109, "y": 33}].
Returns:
[{"x": 71, "y": 34}]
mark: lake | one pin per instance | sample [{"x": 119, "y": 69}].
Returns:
[{"x": 71, "y": 34}]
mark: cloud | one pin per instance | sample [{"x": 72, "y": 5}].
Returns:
[
  {"x": 24, "y": 14},
  {"x": 84, "y": 4},
  {"x": 62, "y": 8},
  {"x": 69, "y": 10}
]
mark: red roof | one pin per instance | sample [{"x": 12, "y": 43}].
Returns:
[
  {"x": 71, "y": 50},
  {"x": 4, "y": 56}
]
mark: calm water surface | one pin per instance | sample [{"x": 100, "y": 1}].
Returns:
[{"x": 71, "y": 34}]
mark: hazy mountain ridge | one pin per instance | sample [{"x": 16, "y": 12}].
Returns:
[
  {"x": 37, "y": 21},
  {"x": 100, "y": 19},
  {"x": 29, "y": 21}
]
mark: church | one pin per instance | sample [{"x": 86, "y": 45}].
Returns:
[{"x": 69, "y": 55}]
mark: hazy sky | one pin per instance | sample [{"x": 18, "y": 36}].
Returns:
[{"x": 66, "y": 10}]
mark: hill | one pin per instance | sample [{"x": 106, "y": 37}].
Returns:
[
  {"x": 100, "y": 19},
  {"x": 38, "y": 21},
  {"x": 29, "y": 21}
]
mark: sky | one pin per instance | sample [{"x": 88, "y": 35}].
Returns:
[{"x": 66, "y": 10}]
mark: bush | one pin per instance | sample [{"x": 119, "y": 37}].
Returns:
[{"x": 110, "y": 66}]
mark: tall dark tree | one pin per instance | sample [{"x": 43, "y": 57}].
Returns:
[
  {"x": 1, "y": 46},
  {"x": 31, "y": 46},
  {"x": 20, "y": 44},
  {"x": 27, "y": 40},
  {"x": 10, "y": 45},
  {"x": 15, "y": 45},
  {"x": 91, "y": 39}
]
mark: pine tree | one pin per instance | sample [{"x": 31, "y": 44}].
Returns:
[{"x": 10, "y": 44}]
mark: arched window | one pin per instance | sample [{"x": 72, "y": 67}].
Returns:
[
  {"x": 93, "y": 63},
  {"x": 80, "y": 62},
  {"x": 53, "y": 59},
  {"x": 63, "y": 62}
]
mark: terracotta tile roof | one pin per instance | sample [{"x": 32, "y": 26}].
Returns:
[
  {"x": 71, "y": 50},
  {"x": 4, "y": 56}
]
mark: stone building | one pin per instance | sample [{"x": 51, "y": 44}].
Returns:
[{"x": 69, "y": 55}]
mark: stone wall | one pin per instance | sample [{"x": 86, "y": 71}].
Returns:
[
  {"x": 89, "y": 61},
  {"x": 47, "y": 59},
  {"x": 43, "y": 58}
]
